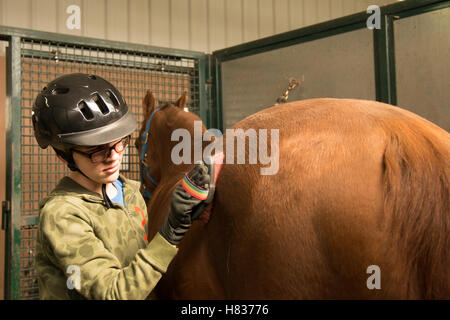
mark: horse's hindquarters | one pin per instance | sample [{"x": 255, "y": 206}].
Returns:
[
  {"x": 318, "y": 229},
  {"x": 294, "y": 235}
]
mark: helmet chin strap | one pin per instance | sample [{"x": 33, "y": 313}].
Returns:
[{"x": 108, "y": 201}]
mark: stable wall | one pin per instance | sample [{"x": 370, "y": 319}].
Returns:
[
  {"x": 200, "y": 25},
  {"x": 408, "y": 67}
]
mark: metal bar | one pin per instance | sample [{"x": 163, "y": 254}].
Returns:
[
  {"x": 30, "y": 220},
  {"x": 96, "y": 43},
  {"x": 315, "y": 31},
  {"x": 288, "y": 38},
  {"x": 209, "y": 73},
  {"x": 384, "y": 55},
  {"x": 392, "y": 80},
  {"x": 27, "y": 53},
  {"x": 407, "y": 9},
  {"x": 312, "y": 33},
  {"x": 6, "y": 210},
  {"x": 202, "y": 91},
  {"x": 13, "y": 168},
  {"x": 218, "y": 94}
]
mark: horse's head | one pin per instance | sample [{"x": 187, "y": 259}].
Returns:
[{"x": 155, "y": 144}]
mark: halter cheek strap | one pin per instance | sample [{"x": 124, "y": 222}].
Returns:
[{"x": 144, "y": 166}]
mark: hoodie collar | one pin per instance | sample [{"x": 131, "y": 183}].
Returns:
[{"x": 69, "y": 187}]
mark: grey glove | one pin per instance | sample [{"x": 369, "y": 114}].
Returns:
[{"x": 185, "y": 208}]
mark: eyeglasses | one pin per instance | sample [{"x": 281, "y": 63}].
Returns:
[{"x": 104, "y": 153}]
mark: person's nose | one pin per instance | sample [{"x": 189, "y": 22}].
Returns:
[{"x": 113, "y": 155}]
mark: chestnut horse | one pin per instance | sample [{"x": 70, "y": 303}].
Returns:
[{"x": 359, "y": 208}]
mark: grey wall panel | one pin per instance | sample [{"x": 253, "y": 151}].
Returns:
[
  {"x": 202, "y": 25},
  {"x": 199, "y": 25},
  {"x": 117, "y": 20},
  {"x": 94, "y": 19},
  {"x": 180, "y": 24},
  {"x": 43, "y": 14},
  {"x": 234, "y": 23},
  {"x": 422, "y": 47},
  {"x": 139, "y": 22},
  {"x": 160, "y": 23},
  {"x": 216, "y": 23},
  {"x": 340, "y": 66}
]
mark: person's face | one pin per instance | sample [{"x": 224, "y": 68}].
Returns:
[{"x": 101, "y": 163}]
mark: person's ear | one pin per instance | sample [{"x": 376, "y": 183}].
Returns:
[{"x": 61, "y": 158}]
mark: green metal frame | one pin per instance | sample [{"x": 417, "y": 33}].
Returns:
[
  {"x": 13, "y": 173},
  {"x": 8, "y": 33},
  {"x": 12, "y": 220},
  {"x": 383, "y": 39}
]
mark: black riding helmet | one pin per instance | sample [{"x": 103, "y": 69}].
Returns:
[{"x": 80, "y": 110}]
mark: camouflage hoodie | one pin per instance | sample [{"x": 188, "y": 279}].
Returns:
[{"x": 86, "y": 251}]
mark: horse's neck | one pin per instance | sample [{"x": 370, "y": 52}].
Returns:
[
  {"x": 174, "y": 173},
  {"x": 171, "y": 175}
]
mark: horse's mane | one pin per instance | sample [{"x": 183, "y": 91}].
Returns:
[
  {"x": 416, "y": 187},
  {"x": 166, "y": 106},
  {"x": 175, "y": 115}
]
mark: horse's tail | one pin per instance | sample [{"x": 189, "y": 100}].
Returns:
[{"x": 416, "y": 187}]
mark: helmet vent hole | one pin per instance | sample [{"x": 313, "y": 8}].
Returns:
[
  {"x": 57, "y": 91},
  {"x": 91, "y": 76},
  {"x": 87, "y": 113},
  {"x": 113, "y": 98},
  {"x": 100, "y": 103}
]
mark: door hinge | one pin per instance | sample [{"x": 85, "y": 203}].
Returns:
[{"x": 6, "y": 210}]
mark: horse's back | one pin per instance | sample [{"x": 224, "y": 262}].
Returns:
[{"x": 314, "y": 228}]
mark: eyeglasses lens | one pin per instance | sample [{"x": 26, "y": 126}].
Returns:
[{"x": 106, "y": 152}]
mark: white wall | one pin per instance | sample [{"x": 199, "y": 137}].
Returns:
[{"x": 201, "y": 25}]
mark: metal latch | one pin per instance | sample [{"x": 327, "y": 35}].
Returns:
[{"x": 6, "y": 209}]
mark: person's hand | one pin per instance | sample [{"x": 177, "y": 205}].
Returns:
[{"x": 186, "y": 207}]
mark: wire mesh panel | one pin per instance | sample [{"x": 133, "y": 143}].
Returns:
[
  {"x": 133, "y": 73},
  {"x": 423, "y": 88},
  {"x": 254, "y": 82}
]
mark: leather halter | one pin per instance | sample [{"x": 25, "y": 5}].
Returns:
[{"x": 143, "y": 163}]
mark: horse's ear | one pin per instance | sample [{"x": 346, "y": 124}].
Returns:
[
  {"x": 148, "y": 103},
  {"x": 181, "y": 102}
]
